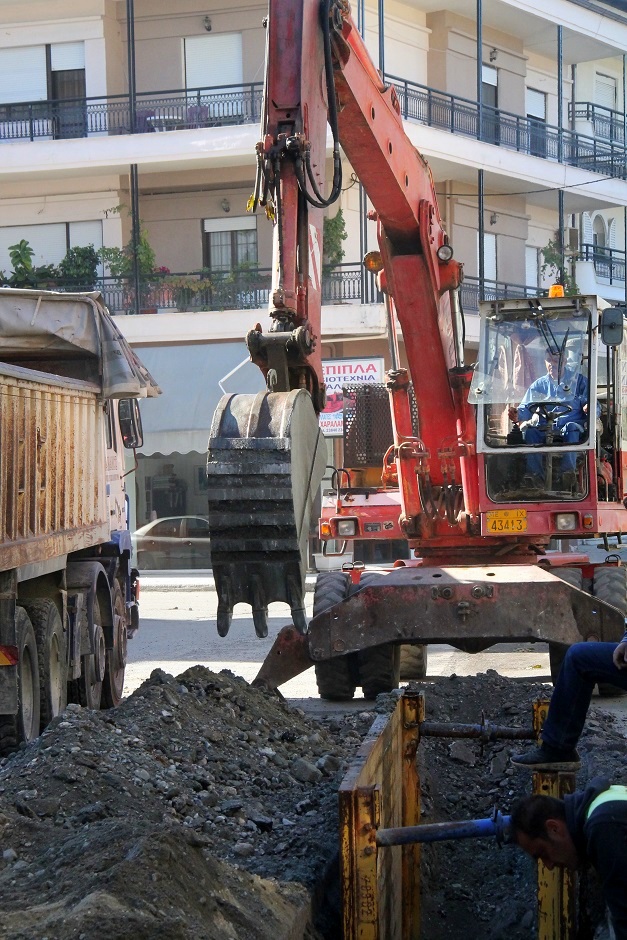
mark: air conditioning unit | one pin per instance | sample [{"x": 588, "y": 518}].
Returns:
[{"x": 571, "y": 240}]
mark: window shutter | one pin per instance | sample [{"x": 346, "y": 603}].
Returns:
[
  {"x": 67, "y": 55},
  {"x": 47, "y": 241},
  {"x": 211, "y": 61},
  {"x": 605, "y": 91},
  {"x": 489, "y": 257},
  {"x": 611, "y": 231},
  {"x": 235, "y": 224},
  {"x": 587, "y": 228},
  {"x": 23, "y": 74},
  {"x": 86, "y": 233},
  {"x": 532, "y": 268},
  {"x": 535, "y": 104}
]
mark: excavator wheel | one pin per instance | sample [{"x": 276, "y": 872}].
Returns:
[
  {"x": 413, "y": 661},
  {"x": 336, "y": 678},
  {"x": 265, "y": 462},
  {"x": 379, "y": 666},
  {"x": 557, "y": 651},
  {"x": 609, "y": 583}
]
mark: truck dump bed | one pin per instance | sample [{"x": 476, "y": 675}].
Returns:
[{"x": 62, "y": 358}]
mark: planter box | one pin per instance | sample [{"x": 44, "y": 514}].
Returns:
[{"x": 331, "y": 562}]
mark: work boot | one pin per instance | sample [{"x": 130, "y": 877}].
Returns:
[{"x": 547, "y": 758}]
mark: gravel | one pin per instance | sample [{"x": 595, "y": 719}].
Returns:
[{"x": 205, "y": 808}]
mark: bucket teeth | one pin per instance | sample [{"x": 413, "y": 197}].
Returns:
[{"x": 265, "y": 462}]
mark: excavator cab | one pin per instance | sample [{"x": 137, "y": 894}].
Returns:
[{"x": 548, "y": 404}]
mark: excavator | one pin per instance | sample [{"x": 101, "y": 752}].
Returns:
[{"x": 484, "y": 467}]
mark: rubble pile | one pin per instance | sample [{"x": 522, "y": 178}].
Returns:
[{"x": 205, "y": 808}]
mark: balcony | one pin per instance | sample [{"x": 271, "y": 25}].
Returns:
[
  {"x": 608, "y": 124},
  {"x": 250, "y": 290},
  {"x": 609, "y": 263},
  {"x": 112, "y": 115},
  {"x": 182, "y": 109},
  {"x": 511, "y": 131}
]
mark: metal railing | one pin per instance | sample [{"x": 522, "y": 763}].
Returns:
[
  {"x": 609, "y": 263},
  {"x": 607, "y": 123},
  {"x": 250, "y": 290},
  {"x": 182, "y": 109},
  {"x": 179, "y": 109},
  {"x": 504, "y": 129}
]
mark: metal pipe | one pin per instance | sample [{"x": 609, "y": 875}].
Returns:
[
  {"x": 391, "y": 332},
  {"x": 457, "y": 318},
  {"x": 130, "y": 42},
  {"x": 486, "y": 731},
  {"x": 560, "y": 95},
  {"x": 479, "y": 17},
  {"x": 561, "y": 222},
  {"x": 496, "y": 825},
  {"x": 381, "y": 37},
  {"x": 481, "y": 201}
]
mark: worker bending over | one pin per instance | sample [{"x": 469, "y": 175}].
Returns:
[{"x": 588, "y": 827}]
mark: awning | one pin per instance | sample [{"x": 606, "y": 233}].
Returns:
[{"x": 180, "y": 419}]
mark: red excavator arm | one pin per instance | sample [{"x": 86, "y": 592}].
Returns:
[{"x": 317, "y": 72}]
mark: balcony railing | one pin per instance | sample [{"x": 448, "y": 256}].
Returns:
[
  {"x": 609, "y": 263},
  {"x": 181, "y": 109},
  {"x": 504, "y": 129},
  {"x": 250, "y": 290},
  {"x": 154, "y": 112},
  {"x": 607, "y": 123}
]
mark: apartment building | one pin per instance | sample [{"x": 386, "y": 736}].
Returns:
[{"x": 135, "y": 121}]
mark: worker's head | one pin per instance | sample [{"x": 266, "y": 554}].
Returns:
[
  {"x": 538, "y": 827},
  {"x": 552, "y": 364}
]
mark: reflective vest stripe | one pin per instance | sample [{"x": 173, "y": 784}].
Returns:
[{"x": 610, "y": 795}]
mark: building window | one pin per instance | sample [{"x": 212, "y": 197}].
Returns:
[
  {"x": 50, "y": 242},
  {"x": 53, "y": 75},
  {"x": 532, "y": 267},
  {"x": 536, "y": 116},
  {"x": 215, "y": 62},
  {"x": 489, "y": 257},
  {"x": 230, "y": 243},
  {"x": 489, "y": 97}
]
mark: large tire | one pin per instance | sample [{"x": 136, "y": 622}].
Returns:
[
  {"x": 23, "y": 726},
  {"x": 93, "y": 666},
  {"x": 557, "y": 651},
  {"x": 51, "y": 658},
  {"x": 379, "y": 666},
  {"x": 336, "y": 678},
  {"x": 413, "y": 661},
  {"x": 609, "y": 583},
  {"x": 113, "y": 683}
]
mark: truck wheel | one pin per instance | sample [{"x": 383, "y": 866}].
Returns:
[
  {"x": 336, "y": 678},
  {"x": 23, "y": 726},
  {"x": 51, "y": 657},
  {"x": 609, "y": 584},
  {"x": 113, "y": 684},
  {"x": 413, "y": 661},
  {"x": 379, "y": 666},
  {"x": 93, "y": 666},
  {"x": 557, "y": 651}
]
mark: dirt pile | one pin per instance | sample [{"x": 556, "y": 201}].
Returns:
[{"x": 204, "y": 808}]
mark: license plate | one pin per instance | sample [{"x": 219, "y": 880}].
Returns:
[{"x": 507, "y": 520}]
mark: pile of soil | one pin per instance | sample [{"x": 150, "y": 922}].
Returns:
[{"x": 205, "y": 808}]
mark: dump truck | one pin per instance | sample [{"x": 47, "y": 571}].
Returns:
[
  {"x": 488, "y": 462},
  {"x": 69, "y": 385}
]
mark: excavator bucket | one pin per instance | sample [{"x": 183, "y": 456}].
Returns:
[{"x": 265, "y": 462}]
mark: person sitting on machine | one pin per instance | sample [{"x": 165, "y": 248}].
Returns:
[{"x": 555, "y": 407}]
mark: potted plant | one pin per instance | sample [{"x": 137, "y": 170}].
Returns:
[
  {"x": 186, "y": 290},
  {"x": 25, "y": 273},
  {"x": 121, "y": 265},
  {"x": 79, "y": 268}
]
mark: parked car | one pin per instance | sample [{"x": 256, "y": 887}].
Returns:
[{"x": 172, "y": 542}]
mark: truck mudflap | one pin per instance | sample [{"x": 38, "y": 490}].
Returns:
[
  {"x": 470, "y": 608},
  {"x": 265, "y": 462}
]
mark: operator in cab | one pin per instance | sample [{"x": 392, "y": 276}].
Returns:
[{"x": 560, "y": 401}]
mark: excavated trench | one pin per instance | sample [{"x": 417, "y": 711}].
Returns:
[{"x": 204, "y": 808}]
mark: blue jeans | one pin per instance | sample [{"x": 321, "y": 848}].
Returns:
[
  {"x": 584, "y": 665},
  {"x": 569, "y": 433}
]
